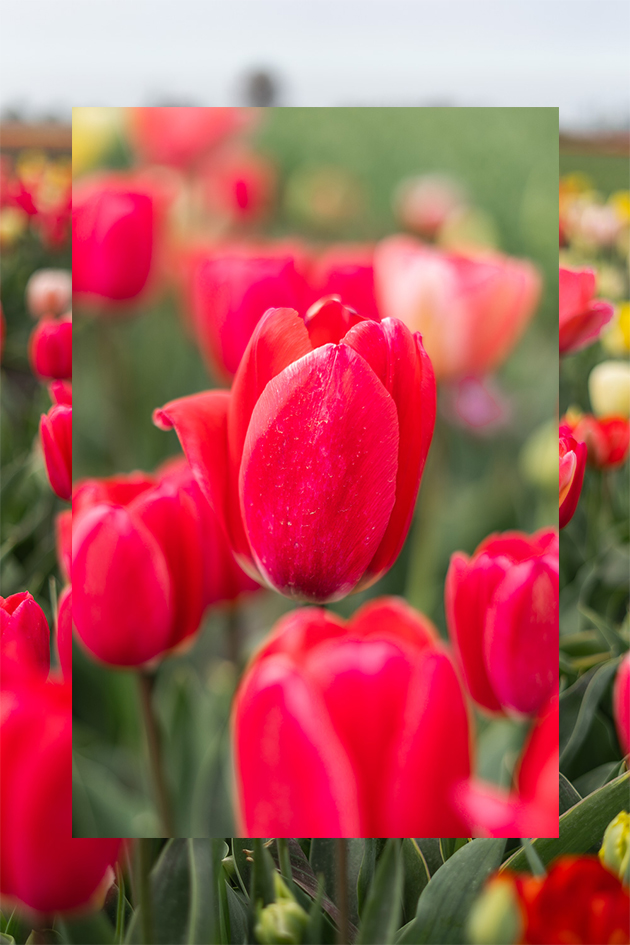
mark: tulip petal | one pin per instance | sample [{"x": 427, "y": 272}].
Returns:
[
  {"x": 401, "y": 363},
  {"x": 392, "y": 617},
  {"x": 55, "y": 430},
  {"x": 467, "y": 594},
  {"x": 293, "y": 775},
  {"x": 521, "y": 637},
  {"x": 112, "y": 550},
  {"x": 318, "y": 476}
]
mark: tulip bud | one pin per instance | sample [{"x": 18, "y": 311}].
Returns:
[
  {"x": 50, "y": 348},
  {"x": 49, "y": 292},
  {"x": 281, "y": 923},
  {"x": 615, "y": 849},
  {"x": 496, "y": 916},
  {"x": 572, "y": 466},
  {"x": 343, "y": 730},
  {"x": 55, "y": 432},
  {"x": 502, "y": 614},
  {"x": 24, "y": 636},
  {"x": 317, "y": 403},
  {"x": 581, "y": 318},
  {"x": 609, "y": 389},
  {"x": 621, "y": 703}
]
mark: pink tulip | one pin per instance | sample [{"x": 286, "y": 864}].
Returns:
[
  {"x": 348, "y": 272},
  {"x": 621, "y": 703},
  {"x": 179, "y": 137},
  {"x": 24, "y": 636},
  {"x": 43, "y": 869},
  {"x": 426, "y": 202},
  {"x": 231, "y": 288},
  {"x": 581, "y": 318},
  {"x": 50, "y": 348},
  {"x": 117, "y": 238},
  {"x": 49, "y": 292},
  {"x": 572, "y": 466},
  {"x": 314, "y": 459},
  {"x": 354, "y": 729},
  {"x": 470, "y": 309},
  {"x": 502, "y": 614},
  {"x": 55, "y": 433},
  {"x": 532, "y": 810}
]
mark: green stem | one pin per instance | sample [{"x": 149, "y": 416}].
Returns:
[
  {"x": 143, "y": 886},
  {"x": 343, "y": 932},
  {"x": 233, "y": 628},
  {"x": 120, "y": 906},
  {"x": 533, "y": 860},
  {"x": 145, "y": 685}
]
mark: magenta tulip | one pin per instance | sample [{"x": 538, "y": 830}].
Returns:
[
  {"x": 581, "y": 317},
  {"x": 348, "y": 272},
  {"x": 50, "y": 348},
  {"x": 502, "y": 614},
  {"x": 621, "y": 703},
  {"x": 55, "y": 433},
  {"x": 572, "y": 466},
  {"x": 351, "y": 730},
  {"x": 314, "y": 459},
  {"x": 24, "y": 636}
]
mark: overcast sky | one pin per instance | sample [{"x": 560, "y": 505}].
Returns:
[{"x": 567, "y": 53}]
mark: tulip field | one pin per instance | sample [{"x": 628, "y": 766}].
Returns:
[{"x": 297, "y": 646}]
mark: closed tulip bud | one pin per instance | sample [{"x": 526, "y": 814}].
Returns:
[
  {"x": 621, "y": 703},
  {"x": 55, "y": 433},
  {"x": 117, "y": 238},
  {"x": 496, "y": 917},
  {"x": 43, "y": 869},
  {"x": 231, "y": 288},
  {"x": 179, "y": 137},
  {"x": 313, "y": 460},
  {"x": 64, "y": 633},
  {"x": 502, "y": 613},
  {"x": 49, "y": 292},
  {"x": 24, "y": 636},
  {"x": 50, "y": 348},
  {"x": 609, "y": 389},
  {"x": 351, "y": 730},
  {"x": 346, "y": 271},
  {"x": 607, "y": 440},
  {"x": 572, "y": 466},
  {"x": 615, "y": 849},
  {"x": 471, "y": 309},
  {"x": 281, "y": 923},
  {"x": 581, "y": 317}
]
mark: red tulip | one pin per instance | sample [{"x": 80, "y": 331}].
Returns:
[
  {"x": 581, "y": 318},
  {"x": 180, "y": 136},
  {"x": 49, "y": 292},
  {"x": 502, "y": 614},
  {"x": 238, "y": 184},
  {"x": 470, "y": 309},
  {"x": 55, "y": 433},
  {"x": 231, "y": 288},
  {"x": 348, "y": 272},
  {"x": 117, "y": 238},
  {"x": 607, "y": 440},
  {"x": 50, "y": 348},
  {"x": 64, "y": 633},
  {"x": 42, "y": 868},
  {"x": 351, "y": 730},
  {"x": 572, "y": 466},
  {"x": 621, "y": 703},
  {"x": 314, "y": 459},
  {"x": 531, "y": 810},
  {"x": 24, "y": 636}
]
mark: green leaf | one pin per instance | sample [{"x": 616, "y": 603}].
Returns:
[
  {"x": 381, "y": 914},
  {"x": 242, "y": 851},
  {"x": 597, "y": 777},
  {"x": 450, "y": 845},
  {"x": 416, "y": 876},
  {"x": 373, "y": 847},
  {"x": 94, "y": 929},
  {"x": 592, "y": 696},
  {"x": 582, "y": 827},
  {"x": 445, "y": 903},
  {"x": 323, "y": 860},
  {"x": 239, "y": 915},
  {"x": 432, "y": 852},
  {"x": 6, "y": 939},
  {"x": 262, "y": 874},
  {"x": 205, "y": 874},
  {"x": 568, "y": 795}
]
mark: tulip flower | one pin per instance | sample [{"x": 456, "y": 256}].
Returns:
[
  {"x": 49, "y": 292},
  {"x": 230, "y": 289},
  {"x": 425, "y": 202},
  {"x": 238, "y": 184},
  {"x": 24, "y": 636},
  {"x": 471, "y": 309},
  {"x": 531, "y": 810},
  {"x": 572, "y": 466},
  {"x": 354, "y": 729},
  {"x": 50, "y": 348},
  {"x": 502, "y": 614},
  {"x": 43, "y": 869},
  {"x": 64, "y": 633},
  {"x": 55, "y": 433},
  {"x": 609, "y": 389},
  {"x": 179, "y": 137},
  {"x": 346, "y": 271},
  {"x": 621, "y": 703},
  {"x": 117, "y": 237},
  {"x": 581, "y": 317},
  {"x": 614, "y": 852},
  {"x": 607, "y": 441},
  {"x": 314, "y": 459}
]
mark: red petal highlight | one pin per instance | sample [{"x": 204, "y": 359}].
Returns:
[{"x": 318, "y": 475}]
